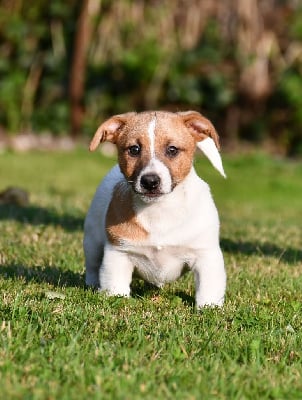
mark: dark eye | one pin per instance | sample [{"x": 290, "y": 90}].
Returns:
[
  {"x": 172, "y": 151},
  {"x": 134, "y": 150}
]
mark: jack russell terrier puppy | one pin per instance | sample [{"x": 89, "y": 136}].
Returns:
[{"x": 152, "y": 214}]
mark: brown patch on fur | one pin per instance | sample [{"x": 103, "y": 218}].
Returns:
[
  {"x": 170, "y": 131},
  {"x": 199, "y": 126},
  {"x": 181, "y": 130},
  {"x": 121, "y": 222},
  {"x": 131, "y": 166},
  {"x": 109, "y": 130},
  {"x": 135, "y": 132}
]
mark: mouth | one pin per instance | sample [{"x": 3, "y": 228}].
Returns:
[
  {"x": 152, "y": 195},
  {"x": 149, "y": 195}
]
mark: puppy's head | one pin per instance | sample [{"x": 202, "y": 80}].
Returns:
[{"x": 156, "y": 149}]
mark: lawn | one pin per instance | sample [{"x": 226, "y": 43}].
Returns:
[{"x": 59, "y": 340}]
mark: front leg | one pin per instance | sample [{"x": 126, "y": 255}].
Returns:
[
  {"x": 210, "y": 278},
  {"x": 115, "y": 272}
]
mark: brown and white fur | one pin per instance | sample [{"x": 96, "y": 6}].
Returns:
[{"x": 152, "y": 214}]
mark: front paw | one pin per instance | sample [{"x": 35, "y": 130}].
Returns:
[
  {"x": 201, "y": 303},
  {"x": 118, "y": 292}
]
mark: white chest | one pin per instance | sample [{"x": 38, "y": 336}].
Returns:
[{"x": 159, "y": 265}]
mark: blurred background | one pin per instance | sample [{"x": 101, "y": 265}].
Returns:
[{"x": 67, "y": 65}]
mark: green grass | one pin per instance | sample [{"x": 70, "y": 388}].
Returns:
[{"x": 77, "y": 344}]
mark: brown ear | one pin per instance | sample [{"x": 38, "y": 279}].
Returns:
[
  {"x": 109, "y": 130},
  {"x": 199, "y": 126}
]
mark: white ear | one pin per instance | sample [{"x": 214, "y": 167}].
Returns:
[{"x": 207, "y": 146}]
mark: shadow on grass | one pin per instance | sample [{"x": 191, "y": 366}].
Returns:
[
  {"x": 35, "y": 215},
  {"x": 38, "y": 274},
  {"x": 58, "y": 278},
  {"x": 40, "y": 216},
  {"x": 143, "y": 289},
  {"x": 289, "y": 255},
  {"x": 186, "y": 298}
]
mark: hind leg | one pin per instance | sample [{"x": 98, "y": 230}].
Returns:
[{"x": 93, "y": 260}]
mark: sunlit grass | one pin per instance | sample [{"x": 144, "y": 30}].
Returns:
[{"x": 59, "y": 340}]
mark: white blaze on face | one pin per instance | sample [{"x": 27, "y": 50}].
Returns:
[
  {"x": 154, "y": 165},
  {"x": 151, "y": 134}
]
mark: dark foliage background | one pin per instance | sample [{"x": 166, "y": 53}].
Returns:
[{"x": 64, "y": 66}]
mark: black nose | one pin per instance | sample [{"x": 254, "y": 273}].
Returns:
[{"x": 150, "y": 181}]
